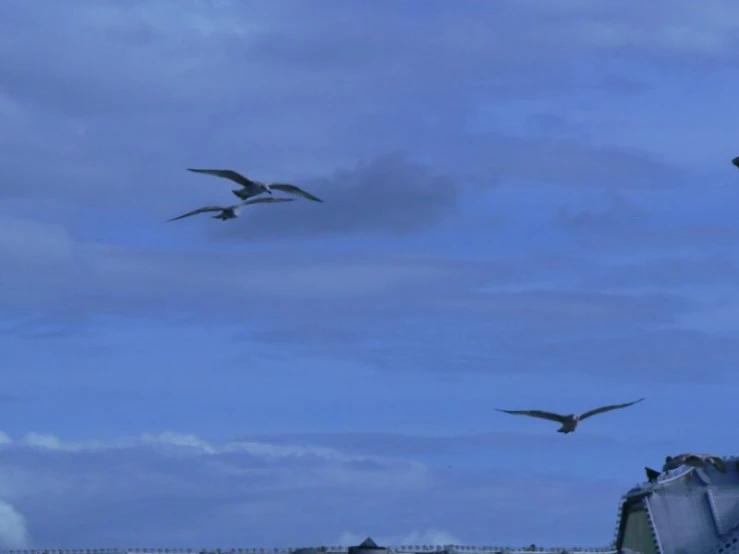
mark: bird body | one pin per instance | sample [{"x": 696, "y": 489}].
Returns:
[
  {"x": 569, "y": 422},
  {"x": 230, "y": 212},
  {"x": 251, "y": 188}
]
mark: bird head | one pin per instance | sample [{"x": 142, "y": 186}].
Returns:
[{"x": 266, "y": 188}]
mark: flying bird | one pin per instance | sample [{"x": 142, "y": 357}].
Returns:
[
  {"x": 251, "y": 188},
  {"x": 735, "y": 161},
  {"x": 652, "y": 474},
  {"x": 569, "y": 422},
  {"x": 231, "y": 212}
]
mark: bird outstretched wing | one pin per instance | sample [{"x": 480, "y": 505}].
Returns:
[
  {"x": 226, "y": 174},
  {"x": 735, "y": 161},
  {"x": 292, "y": 189},
  {"x": 604, "y": 409},
  {"x": 265, "y": 200},
  {"x": 198, "y": 211},
  {"x": 537, "y": 413}
]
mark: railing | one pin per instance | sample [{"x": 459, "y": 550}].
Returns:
[{"x": 327, "y": 549}]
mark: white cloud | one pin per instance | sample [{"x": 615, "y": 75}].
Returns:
[
  {"x": 13, "y": 533},
  {"x": 430, "y": 537},
  {"x": 179, "y": 490}
]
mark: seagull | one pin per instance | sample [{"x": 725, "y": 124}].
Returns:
[
  {"x": 652, "y": 474},
  {"x": 569, "y": 422},
  {"x": 694, "y": 460},
  {"x": 231, "y": 212},
  {"x": 251, "y": 188},
  {"x": 735, "y": 161}
]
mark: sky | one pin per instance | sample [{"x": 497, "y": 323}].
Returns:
[{"x": 527, "y": 204}]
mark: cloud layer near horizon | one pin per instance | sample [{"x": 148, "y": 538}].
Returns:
[{"x": 177, "y": 490}]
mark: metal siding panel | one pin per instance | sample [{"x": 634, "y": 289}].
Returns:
[
  {"x": 726, "y": 501},
  {"x": 684, "y": 521}
]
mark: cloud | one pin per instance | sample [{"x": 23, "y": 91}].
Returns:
[
  {"x": 431, "y": 537},
  {"x": 518, "y": 314},
  {"x": 32, "y": 242},
  {"x": 619, "y": 211},
  {"x": 640, "y": 354},
  {"x": 107, "y": 134},
  {"x": 459, "y": 446},
  {"x": 491, "y": 158},
  {"x": 13, "y": 533},
  {"x": 500, "y": 111},
  {"x": 179, "y": 490}
]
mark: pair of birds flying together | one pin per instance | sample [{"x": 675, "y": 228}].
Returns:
[
  {"x": 569, "y": 422},
  {"x": 249, "y": 189}
]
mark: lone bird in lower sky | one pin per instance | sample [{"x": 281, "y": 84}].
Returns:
[
  {"x": 251, "y": 188},
  {"x": 230, "y": 212},
  {"x": 569, "y": 422}
]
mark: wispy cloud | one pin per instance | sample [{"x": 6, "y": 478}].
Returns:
[{"x": 141, "y": 489}]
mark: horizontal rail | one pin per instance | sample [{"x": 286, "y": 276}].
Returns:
[{"x": 412, "y": 549}]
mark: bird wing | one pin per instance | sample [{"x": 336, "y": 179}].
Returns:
[
  {"x": 226, "y": 174},
  {"x": 735, "y": 161},
  {"x": 537, "y": 413},
  {"x": 198, "y": 211},
  {"x": 292, "y": 189},
  {"x": 265, "y": 200},
  {"x": 604, "y": 409}
]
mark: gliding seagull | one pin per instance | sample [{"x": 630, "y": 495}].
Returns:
[
  {"x": 251, "y": 188},
  {"x": 230, "y": 212},
  {"x": 569, "y": 422}
]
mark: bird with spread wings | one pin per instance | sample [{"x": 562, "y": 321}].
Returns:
[
  {"x": 230, "y": 212},
  {"x": 251, "y": 188},
  {"x": 569, "y": 422}
]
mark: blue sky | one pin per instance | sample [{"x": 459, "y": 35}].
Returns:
[{"x": 528, "y": 204}]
